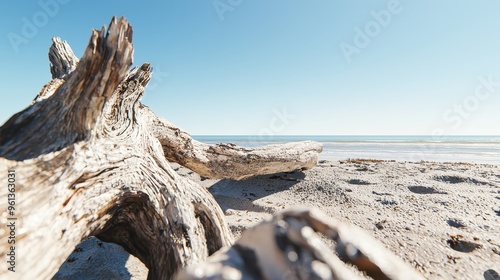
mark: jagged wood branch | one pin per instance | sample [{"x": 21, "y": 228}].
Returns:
[
  {"x": 63, "y": 62},
  {"x": 103, "y": 66}
]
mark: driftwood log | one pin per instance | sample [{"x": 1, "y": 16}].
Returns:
[
  {"x": 90, "y": 160},
  {"x": 86, "y": 158},
  {"x": 289, "y": 247}
]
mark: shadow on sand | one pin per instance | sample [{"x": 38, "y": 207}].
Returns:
[{"x": 240, "y": 195}]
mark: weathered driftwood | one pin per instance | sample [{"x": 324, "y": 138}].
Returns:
[
  {"x": 90, "y": 159},
  {"x": 223, "y": 161},
  {"x": 288, "y": 247}
]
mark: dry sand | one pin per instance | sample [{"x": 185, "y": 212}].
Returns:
[{"x": 442, "y": 218}]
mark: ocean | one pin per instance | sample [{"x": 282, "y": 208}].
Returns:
[{"x": 473, "y": 149}]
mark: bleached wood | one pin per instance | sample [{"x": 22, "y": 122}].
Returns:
[
  {"x": 229, "y": 161},
  {"x": 90, "y": 159}
]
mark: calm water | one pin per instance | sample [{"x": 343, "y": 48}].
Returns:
[{"x": 476, "y": 149}]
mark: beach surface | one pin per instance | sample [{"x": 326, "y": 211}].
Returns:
[{"x": 441, "y": 218}]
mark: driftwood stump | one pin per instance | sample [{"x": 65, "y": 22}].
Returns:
[
  {"x": 86, "y": 158},
  {"x": 289, "y": 247}
]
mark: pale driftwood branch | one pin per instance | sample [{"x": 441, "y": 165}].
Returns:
[
  {"x": 63, "y": 62},
  {"x": 289, "y": 247},
  {"x": 228, "y": 161},
  {"x": 90, "y": 161}
]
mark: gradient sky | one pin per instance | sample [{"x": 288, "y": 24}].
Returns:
[{"x": 279, "y": 67}]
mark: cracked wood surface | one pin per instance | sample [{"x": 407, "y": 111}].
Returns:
[{"x": 91, "y": 160}]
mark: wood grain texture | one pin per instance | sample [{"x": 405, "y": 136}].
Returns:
[{"x": 91, "y": 160}]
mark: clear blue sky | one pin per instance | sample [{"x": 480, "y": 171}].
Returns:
[{"x": 281, "y": 67}]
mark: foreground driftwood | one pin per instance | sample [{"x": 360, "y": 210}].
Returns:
[
  {"x": 89, "y": 159},
  {"x": 288, "y": 247}
]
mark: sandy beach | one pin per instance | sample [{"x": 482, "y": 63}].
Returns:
[
  {"x": 441, "y": 218},
  {"x": 191, "y": 138}
]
